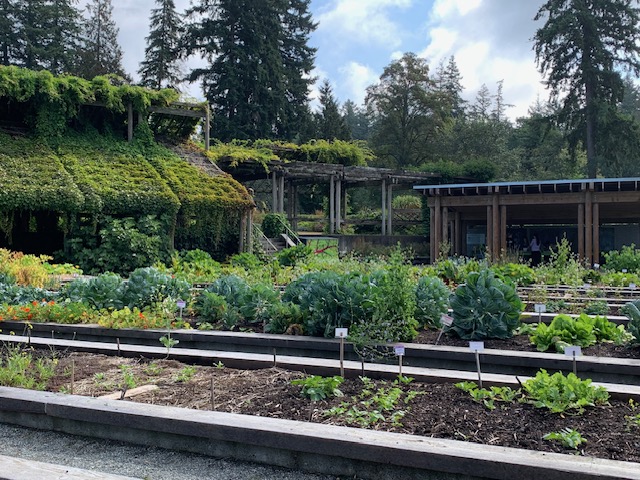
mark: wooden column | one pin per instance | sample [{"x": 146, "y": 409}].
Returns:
[
  {"x": 581, "y": 231},
  {"x": 274, "y": 192},
  {"x": 207, "y": 128},
  {"x": 437, "y": 230},
  {"x": 495, "y": 236},
  {"x": 596, "y": 233},
  {"x": 432, "y": 230},
  {"x": 588, "y": 227},
  {"x": 281, "y": 195},
  {"x": 390, "y": 209},
  {"x": 445, "y": 225},
  {"x": 384, "y": 207},
  {"x": 338, "y": 204},
  {"x": 243, "y": 232},
  {"x": 250, "y": 231},
  {"x": 332, "y": 205},
  {"x": 489, "y": 231},
  {"x": 457, "y": 222},
  {"x": 295, "y": 207},
  {"x": 503, "y": 229}
]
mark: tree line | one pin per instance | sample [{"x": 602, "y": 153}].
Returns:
[{"x": 258, "y": 74}]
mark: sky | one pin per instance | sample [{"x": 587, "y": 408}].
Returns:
[{"x": 356, "y": 39}]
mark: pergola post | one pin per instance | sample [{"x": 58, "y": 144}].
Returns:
[
  {"x": 243, "y": 232},
  {"x": 489, "y": 231},
  {"x": 207, "y": 127},
  {"x": 503, "y": 228},
  {"x": 445, "y": 225},
  {"x": 332, "y": 205},
  {"x": 437, "y": 230},
  {"x": 495, "y": 236},
  {"x": 250, "y": 231},
  {"x": 384, "y": 207},
  {"x": 588, "y": 227},
  {"x": 457, "y": 228},
  {"x": 274, "y": 192},
  {"x": 281, "y": 194},
  {"x": 581, "y": 253},
  {"x": 596, "y": 233},
  {"x": 338, "y": 204},
  {"x": 389, "y": 208},
  {"x": 432, "y": 230}
]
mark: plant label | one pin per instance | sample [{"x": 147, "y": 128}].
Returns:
[
  {"x": 573, "y": 351},
  {"x": 540, "y": 308},
  {"x": 476, "y": 346},
  {"x": 624, "y": 270},
  {"x": 181, "y": 304},
  {"x": 447, "y": 320},
  {"x": 632, "y": 286},
  {"x": 596, "y": 266},
  {"x": 399, "y": 349},
  {"x": 342, "y": 332},
  {"x": 587, "y": 286}
]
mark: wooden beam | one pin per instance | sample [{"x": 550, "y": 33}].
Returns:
[
  {"x": 274, "y": 192},
  {"x": 596, "y": 233},
  {"x": 588, "y": 227},
  {"x": 489, "y": 231},
  {"x": 437, "y": 230},
  {"x": 445, "y": 225},
  {"x": 495, "y": 210},
  {"x": 177, "y": 112},
  {"x": 389, "y": 208},
  {"x": 458, "y": 233},
  {"x": 581, "y": 231},
  {"x": 332, "y": 205},
  {"x": 503, "y": 228},
  {"x": 207, "y": 129},
  {"x": 384, "y": 207},
  {"x": 432, "y": 229},
  {"x": 338, "y": 204}
]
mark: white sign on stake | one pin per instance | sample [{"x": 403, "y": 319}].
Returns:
[
  {"x": 596, "y": 266},
  {"x": 476, "y": 346},
  {"x": 181, "y": 304},
  {"x": 446, "y": 320},
  {"x": 540, "y": 308},
  {"x": 342, "y": 332},
  {"x": 632, "y": 286},
  {"x": 399, "y": 349},
  {"x": 573, "y": 351},
  {"x": 624, "y": 270}
]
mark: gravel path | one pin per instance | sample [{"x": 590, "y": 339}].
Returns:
[{"x": 147, "y": 463}]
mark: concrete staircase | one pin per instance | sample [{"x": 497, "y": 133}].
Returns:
[
  {"x": 272, "y": 246},
  {"x": 197, "y": 159}
]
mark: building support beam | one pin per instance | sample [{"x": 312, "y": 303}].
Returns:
[
  {"x": 274, "y": 192},
  {"x": 432, "y": 230},
  {"x": 503, "y": 229},
  {"x": 495, "y": 237},
  {"x": 437, "y": 227},
  {"x": 588, "y": 227},
  {"x": 596, "y": 233},
  {"x": 332, "y": 205},
  {"x": 384, "y": 206},
  {"x": 457, "y": 228},
  {"x": 489, "y": 247},
  {"x": 389, "y": 208}
]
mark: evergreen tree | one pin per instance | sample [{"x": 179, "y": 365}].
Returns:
[
  {"x": 31, "y": 21},
  {"x": 329, "y": 123},
  {"x": 357, "y": 121},
  {"x": 160, "y": 66},
  {"x": 500, "y": 107},
  {"x": 257, "y": 77},
  {"x": 101, "y": 53},
  {"x": 63, "y": 25},
  {"x": 408, "y": 110},
  {"x": 580, "y": 48},
  {"x": 449, "y": 82},
  {"x": 8, "y": 31},
  {"x": 481, "y": 108}
]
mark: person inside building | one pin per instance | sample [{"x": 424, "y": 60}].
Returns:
[{"x": 536, "y": 255}]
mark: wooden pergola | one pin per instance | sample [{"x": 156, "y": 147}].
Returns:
[
  {"x": 286, "y": 177},
  {"x": 585, "y": 204}
]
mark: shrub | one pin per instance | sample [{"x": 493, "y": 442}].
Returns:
[
  {"x": 147, "y": 286},
  {"x": 248, "y": 261},
  {"x": 283, "y": 317},
  {"x": 293, "y": 255},
  {"x": 485, "y": 307},
  {"x": 274, "y": 224},
  {"x": 432, "y": 301},
  {"x": 104, "y": 291},
  {"x": 627, "y": 258},
  {"x": 632, "y": 311}
]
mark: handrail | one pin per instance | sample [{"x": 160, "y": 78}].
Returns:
[
  {"x": 257, "y": 231},
  {"x": 289, "y": 231}
]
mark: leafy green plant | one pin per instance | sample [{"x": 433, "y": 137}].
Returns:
[
  {"x": 128, "y": 378},
  {"x": 488, "y": 397},
  {"x": 596, "y": 307},
  {"x": 282, "y": 317},
  {"x": 432, "y": 301},
  {"x": 628, "y": 258},
  {"x": 559, "y": 393},
  {"x": 275, "y": 224},
  {"x": 19, "y": 368},
  {"x": 147, "y": 286},
  {"x": 186, "y": 374},
  {"x": 293, "y": 255},
  {"x": 584, "y": 331},
  {"x": 210, "y": 306},
  {"x": 104, "y": 291},
  {"x": 318, "y": 388},
  {"x": 38, "y": 311},
  {"x": 568, "y": 438},
  {"x": 563, "y": 267},
  {"x": 517, "y": 273},
  {"x": 632, "y": 311},
  {"x": 485, "y": 307}
]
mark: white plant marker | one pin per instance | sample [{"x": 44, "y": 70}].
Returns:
[
  {"x": 399, "y": 350},
  {"x": 446, "y": 321},
  {"x": 540, "y": 308},
  {"x": 477, "y": 347},
  {"x": 181, "y": 304},
  {"x": 341, "y": 333},
  {"x": 573, "y": 352}
]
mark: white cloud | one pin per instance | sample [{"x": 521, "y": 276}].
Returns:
[
  {"x": 445, "y": 8},
  {"x": 363, "y": 21},
  {"x": 356, "y": 79}
]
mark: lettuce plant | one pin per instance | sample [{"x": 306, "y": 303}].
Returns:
[{"x": 485, "y": 307}]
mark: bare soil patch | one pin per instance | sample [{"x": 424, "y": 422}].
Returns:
[{"x": 433, "y": 410}]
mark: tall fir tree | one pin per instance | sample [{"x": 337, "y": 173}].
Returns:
[
  {"x": 257, "y": 77},
  {"x": 101, "y": 54},
  {"x": 8, "y": 31},
  {"x": 357, "y": 120},
  {"x": 481, "y": 108},
  {"x": 580, "y": 49},
  {"x": 160, "y": 67},
  {"x": 64, "y": 27},
  {"x": 449, "y": 82},
  {"x": 31, "y": 21},
  {"x": 330, "y": 125}
]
